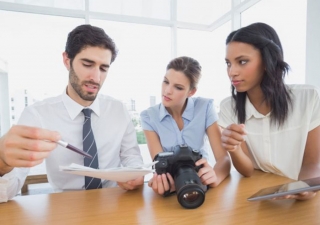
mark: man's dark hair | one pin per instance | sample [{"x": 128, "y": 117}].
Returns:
[
  {"x": 264, "y": 38},
  {"x": 87, "y": 35}
]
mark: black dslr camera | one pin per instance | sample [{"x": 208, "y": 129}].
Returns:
[{"x": 180, "y": 163}]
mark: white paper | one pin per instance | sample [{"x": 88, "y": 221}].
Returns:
[{"x": 119, "y": 174}]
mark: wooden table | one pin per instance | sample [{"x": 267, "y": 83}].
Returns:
[{"x": 226, "y": 204}]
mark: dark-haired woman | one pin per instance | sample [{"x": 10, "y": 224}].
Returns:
[
  {"x": 184, "y": 120},
  {"x": 268, "y": 125}
]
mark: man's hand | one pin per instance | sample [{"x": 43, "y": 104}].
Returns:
[
  {"x": 25, "y": 146},
  {"x": 131, "y": 184}
]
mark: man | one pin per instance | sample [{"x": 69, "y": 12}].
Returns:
[{"x": 88, "y": 55}]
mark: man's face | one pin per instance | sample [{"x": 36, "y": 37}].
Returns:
[{"x": 87, "y": 73}]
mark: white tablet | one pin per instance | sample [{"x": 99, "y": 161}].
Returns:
[{"x": 294, "y": 187}]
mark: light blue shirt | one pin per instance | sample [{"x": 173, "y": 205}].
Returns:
[{"x": 198, "y": 115}]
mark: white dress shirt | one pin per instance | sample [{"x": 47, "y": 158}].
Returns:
[
  {"x": 274, "y": 149},
  {"x": 112, "y": 128}
]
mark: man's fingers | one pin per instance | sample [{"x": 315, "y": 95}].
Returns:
[
  {"x": 35, "y": 133},
  {"x": 37, "y": 145},
  {"x": 30, "y": 138},
  {"x": 24, "y": 158},
  {"x": 133, "y": 184},
  {"x": 24, "y": 163}
]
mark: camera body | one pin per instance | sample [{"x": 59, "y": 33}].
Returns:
[
  {"x": 182, "y": 155},
  {"x": 180, "y": 164}
]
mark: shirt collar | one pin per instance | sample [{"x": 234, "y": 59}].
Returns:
[
  {"x": 187, "y": 114},
  {"x": 74, "y": 108},
  {"x": 251, "y": 110}
]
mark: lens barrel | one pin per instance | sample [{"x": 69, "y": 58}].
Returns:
[{"x": 190, "y": 190}]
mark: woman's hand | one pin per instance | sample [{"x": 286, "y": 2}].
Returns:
[
  {"x": 301, "y": 196},
  {"x": 160, "y": 183},
  {"x": 206, "y": 173},
  {"x": 232, "y": 136}
]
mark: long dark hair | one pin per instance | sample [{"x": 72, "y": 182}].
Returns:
[{"x": 264, "y": 38}]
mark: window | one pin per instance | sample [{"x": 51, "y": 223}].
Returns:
[
  {"x": 209, "y": 49},
  {"x": 36, "y": 70},
  {"x": 157, "y": 9},
  {"x": 144, "y": 52},
  {"x": 32, "y": 46},
  {"x": 289, "y": 21},
  {"x": 201, "y": 11},
  {"x": 65, "y": 4}
]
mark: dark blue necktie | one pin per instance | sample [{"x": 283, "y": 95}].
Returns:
[{"x": 89, "y": 146}]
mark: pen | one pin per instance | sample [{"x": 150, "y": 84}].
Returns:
[{"x": 72, "y": 148}]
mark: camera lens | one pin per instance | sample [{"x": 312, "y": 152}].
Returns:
[
  {"x": 190, "y": 190},
  {"x": 191, "y": 196}
]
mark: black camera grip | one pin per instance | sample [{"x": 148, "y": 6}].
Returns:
[{"x": 168, "y": 193}]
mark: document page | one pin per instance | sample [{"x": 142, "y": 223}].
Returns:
[{"x": 119, "y": 174}]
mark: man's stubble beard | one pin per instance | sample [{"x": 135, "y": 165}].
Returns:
[{"x": 75, "y": 83}]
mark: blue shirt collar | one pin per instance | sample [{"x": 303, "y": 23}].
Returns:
[
  {"x": 187, "y": 114},
  {"x": 74, "y": 108}
]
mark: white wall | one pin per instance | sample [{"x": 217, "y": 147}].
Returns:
[
  {"x": 4, "y": 103},
  {"x": 313, "y": 43}
]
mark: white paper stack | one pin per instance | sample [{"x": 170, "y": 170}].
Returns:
[{"x": 119, "y": 174}]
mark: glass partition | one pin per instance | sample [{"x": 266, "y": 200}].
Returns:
[
  {"x": 288, "y": 18},
  {"x": 201, "y": 11},
  {"x": 156, "y": 9},
  {"x": 63, "y": 4}
]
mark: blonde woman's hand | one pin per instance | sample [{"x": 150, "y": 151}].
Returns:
[
  {"x": 161, "y": 183},
  {"x": 206, "y": 173}
]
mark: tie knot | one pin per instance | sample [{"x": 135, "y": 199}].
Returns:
[{"x": 87, "y": 112}]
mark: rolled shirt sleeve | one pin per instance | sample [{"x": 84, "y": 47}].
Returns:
[{"x": 11, "y": 183}]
